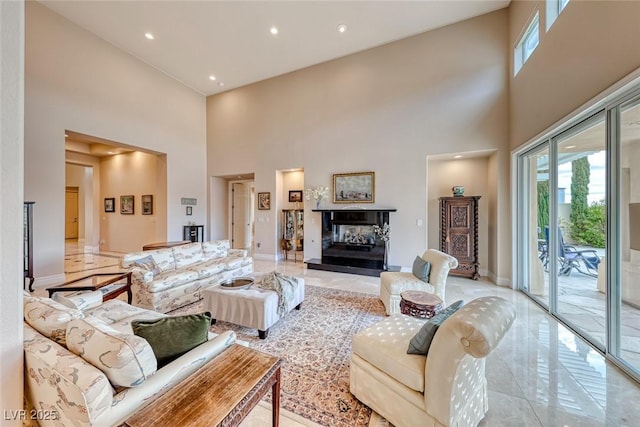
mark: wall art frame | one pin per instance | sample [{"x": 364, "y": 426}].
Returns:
[
  {"x": 295, "y": 196},
  {"x": 109, "y": 204},
  {"x": 356, "y": 187},
  {"x": 147, "y": 204},
  {"x": 264, "y": 201},
  {"x": 127, "y": 205}
]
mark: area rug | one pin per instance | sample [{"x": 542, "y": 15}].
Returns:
[{"x": 315, "y": 343}]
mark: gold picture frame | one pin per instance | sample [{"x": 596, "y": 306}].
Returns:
[{"x": 356, "y": 187}]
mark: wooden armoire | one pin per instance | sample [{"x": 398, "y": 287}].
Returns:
[{"x": 459, "y": 233}]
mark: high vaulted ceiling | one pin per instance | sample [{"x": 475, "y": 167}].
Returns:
[{"x": 231, "y": 40}]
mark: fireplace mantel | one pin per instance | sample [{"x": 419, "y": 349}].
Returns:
[{"x": 349, "y": 243}]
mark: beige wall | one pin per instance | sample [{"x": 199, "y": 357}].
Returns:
[
  {"x": 77, "y": 81},
  {"x": 383, "y": 110},
  {"x": 591, "y": 45},
  {"x": 473, "y": 174},
  {"x": 135, "y": 173},
  {"x": 11, "y": 178}
]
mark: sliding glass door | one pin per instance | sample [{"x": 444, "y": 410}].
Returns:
[
  {"x": 626, "y": 342},
  {"x": 578, "y": 227},
  {"x": 535, "y": 189}
]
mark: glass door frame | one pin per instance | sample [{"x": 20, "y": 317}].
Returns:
[{"x": 611, "y": 107}]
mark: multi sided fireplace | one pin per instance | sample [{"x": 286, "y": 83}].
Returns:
[{"x": 349, "y": 243}]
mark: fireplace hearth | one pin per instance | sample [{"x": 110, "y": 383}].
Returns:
[{"x": 349, "y": 244}]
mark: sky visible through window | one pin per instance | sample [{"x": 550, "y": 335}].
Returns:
[{"x": 597, "y": 180}]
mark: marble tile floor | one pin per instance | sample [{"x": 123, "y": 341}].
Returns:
[
  {"x": 542, "y": 374},
  {"x": 580, "y": 303}
]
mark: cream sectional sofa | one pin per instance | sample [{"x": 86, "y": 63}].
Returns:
[
  {"x": 109, "y": 374},
  {"x": 166, "y": 279}
]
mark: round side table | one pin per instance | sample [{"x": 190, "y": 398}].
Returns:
[{"x": 420, "y": 304}]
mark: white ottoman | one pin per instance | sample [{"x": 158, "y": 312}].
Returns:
[{"x": 252, "y": 308}]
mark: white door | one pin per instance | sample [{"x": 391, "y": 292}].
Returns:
[
  {"x": 241, "y": 215},
  {"x": 71, "y": 214}
]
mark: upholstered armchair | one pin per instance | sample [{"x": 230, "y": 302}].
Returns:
[
  {"x": 393, "y": 283},
  {"x": 447, "y": 387}
]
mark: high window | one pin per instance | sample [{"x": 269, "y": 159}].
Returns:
[
  {"x": 554, "y": 7},
  {"x": 527, "y": 43}
]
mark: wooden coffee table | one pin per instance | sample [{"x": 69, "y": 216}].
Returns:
[
  {"x": 93, "y": 282},
  {"x": 221, "y": 393}
]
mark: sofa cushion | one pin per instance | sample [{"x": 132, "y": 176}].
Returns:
[
  {"x": 171, "y": 337},
  {"x": 114, "y": 312},
  {"x": 215, "y": 249},
  {"x": 421, "y": 342},
  {"x": 147, "y": 263},
  {"x": 126, "y": 359},
  {"x": 81, "y": 391},
  {"x": 231, "y": 263},
  {"x": 171, "y": 279},
  {"x": 208, "y": 268},
  {"x": 421, "y": 269},
  {"x": 163, "y": 258},
  {"x": 384, "y": 345},
  {"x": 188, "y": 254},
  {"x": 79, "y": 300},
  {"x": 49, "y": 317}
]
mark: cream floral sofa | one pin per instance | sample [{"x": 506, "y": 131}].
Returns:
[
  {"x": 447, "y": 387},
  {"x": 87, "y": 368},
  {"x": 166, "y": 279}
]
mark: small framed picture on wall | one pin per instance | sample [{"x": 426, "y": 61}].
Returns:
[
  {"x": 126, "y": 205},
  {"x": 110, "y": 204},
  {"x": 264, "y": 201},
  {"x": 147, "y": 204},
  {"x": 189, "y": 210},
  {"x": 295, "y": 196}
]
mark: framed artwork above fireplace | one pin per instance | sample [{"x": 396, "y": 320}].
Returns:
[{"x": 358, "y": 187}]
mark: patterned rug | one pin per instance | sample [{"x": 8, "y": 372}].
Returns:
[{"x": 315, "y": 343}]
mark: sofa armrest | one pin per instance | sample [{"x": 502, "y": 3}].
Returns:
[
  {"x": 455, "y": 363},
  {"x": 58, "y": 380},
  {"x": 238, "y": 253},
  {"x": 165, "y": 378},
  {"x": 140, "y": 276}
]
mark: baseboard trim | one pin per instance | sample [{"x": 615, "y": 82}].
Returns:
[
  {"x": 43, "y": 282},
  {"x": 266, "y": 257}
]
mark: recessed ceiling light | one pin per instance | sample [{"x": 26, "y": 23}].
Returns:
[
  {"x": 458, "y": 156},
  {"x": 66, "y": 136},
  {"x": 212, "y": 77},
  {"x": 109, "y": 152},
  {"x": 570, "y": 146},
  {"x": 273, "y": 30},
  {"x": 149, "y": 36},
  {"x": 220, "y": 84},
  {"x": 342, "y": 28}
]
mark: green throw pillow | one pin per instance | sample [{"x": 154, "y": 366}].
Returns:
[
  {"x": 421, "y": 341},
  {"x": 171, "y": 337},
  {"x": 421, "y": 269}
]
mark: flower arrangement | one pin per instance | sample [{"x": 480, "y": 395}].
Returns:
[
  {"x": 318, "y": 194},
  {"x": 383, "y": 232}
]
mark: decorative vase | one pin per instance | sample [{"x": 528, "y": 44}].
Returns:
[
  {"x": 458, "y": 190},
  {"x": 318, "y": 203},
  {"x": 385, "y": 264}
]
